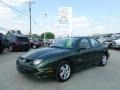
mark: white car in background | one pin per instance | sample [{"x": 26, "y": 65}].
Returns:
[
  {"x": 116, "y": 43},
  {"x": 106, "y": 40}
]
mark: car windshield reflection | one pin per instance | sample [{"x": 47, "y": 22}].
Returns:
[{"x": 65, "y": 43}]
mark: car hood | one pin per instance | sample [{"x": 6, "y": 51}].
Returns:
[{"x": 45, "y": 53}]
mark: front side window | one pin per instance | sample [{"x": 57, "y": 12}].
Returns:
[
  {"x": 84, "y": 43},
  {"x": 22, "y": 39}
]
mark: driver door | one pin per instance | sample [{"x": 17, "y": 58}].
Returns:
[{"x": 84, "y": 54}]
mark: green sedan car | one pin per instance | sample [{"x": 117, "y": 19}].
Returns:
[{"x": 62, "y": 58}]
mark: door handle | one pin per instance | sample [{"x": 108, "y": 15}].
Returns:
[{"x": 79, "y": 60}]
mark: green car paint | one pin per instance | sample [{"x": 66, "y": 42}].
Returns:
[{"x": 52, "y": 56}]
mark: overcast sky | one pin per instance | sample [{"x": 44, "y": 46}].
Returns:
[{"x": 89, "y": 16}]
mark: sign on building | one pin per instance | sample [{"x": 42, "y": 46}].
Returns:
[{"x": 65, "y": 19}]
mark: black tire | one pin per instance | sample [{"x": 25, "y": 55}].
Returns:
[
  {"x": 1, "y": 49},
  {"x": 26, "y": 50},
  {"x": 103, "y": 61},
  {"x": 63, "y": 64},
  {"x": 31, "y": 45},
  {"x": 110, "y": 46},
  {"x": 11, "y": 48}
]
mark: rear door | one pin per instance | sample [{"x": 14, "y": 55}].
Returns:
[{"x": 96, "y": 47}]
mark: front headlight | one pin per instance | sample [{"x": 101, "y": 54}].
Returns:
[{"x": 36, "y": 62}]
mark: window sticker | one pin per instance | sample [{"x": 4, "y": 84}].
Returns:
[{"x": 68, "y": 43}]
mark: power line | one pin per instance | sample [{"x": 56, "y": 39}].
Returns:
[
  {"x": 29, "y": 16},
  {"x": 17, "y": 10},
  {"x": 4, "y": 29},
  {"x": 14, "y": 9}
]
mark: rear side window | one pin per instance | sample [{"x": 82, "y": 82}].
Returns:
[
  {"x": 84, "y": 43},
  {"x": 22, "y": 39},
  {"x": 94, "y": 42}
]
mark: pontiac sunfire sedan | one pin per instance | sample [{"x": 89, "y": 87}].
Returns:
[{"x": 62, "y": 58}]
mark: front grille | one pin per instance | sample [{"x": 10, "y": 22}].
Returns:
[{"x": 25, "y": 69}]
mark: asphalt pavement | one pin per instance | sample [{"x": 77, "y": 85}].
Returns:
[{"x": 92, "y": 78}]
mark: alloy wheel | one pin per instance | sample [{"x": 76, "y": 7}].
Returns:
[
  {"x": 104, "y": 60},
  {"x": 65, "y": 71}
]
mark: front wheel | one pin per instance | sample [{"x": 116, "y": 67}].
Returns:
[
  {"x": 103, "y": 61},
  {"x": 63, "y": 71}
]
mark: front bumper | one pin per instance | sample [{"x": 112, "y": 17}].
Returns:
[
  {"x": 35, "y": 72},
  {"x": 21, "y": 47}
]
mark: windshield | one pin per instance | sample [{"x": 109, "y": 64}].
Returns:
[
  {"x": 106, "y": 36},
  {"x": 116, "y": 36},
  {"x": 22, "y": 39},
  {"x": 67, "y": 43}
]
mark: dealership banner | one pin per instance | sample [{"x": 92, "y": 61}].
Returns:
[{"x": 65, "y": 19}]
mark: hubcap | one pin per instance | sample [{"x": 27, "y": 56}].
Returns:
[
  {"x": 104, "y": 60},
  {"x": 65, "y": 71},
  {"x": 34, "y": 46}
]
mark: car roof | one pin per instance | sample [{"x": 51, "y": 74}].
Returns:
[
  {"x": 19, "y": 35},
  {"x": 83, "y": 37}
]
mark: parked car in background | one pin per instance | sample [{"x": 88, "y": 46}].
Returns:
[
  {"x": 2, "y": 42},
  {"x": 48, "y": 42},
  {"x": 116, "y": 43},
  {"x": 18, "y": 42},
  {"x": 96, "y": 36},
  {"x": 106, "y": 40},
  {"x": 62, "y": 58},
  {"x": 116, "y": 35},
  {"x": 35, "y": 43}
]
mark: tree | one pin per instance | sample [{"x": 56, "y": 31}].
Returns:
[
  {"x": 48, "y": 35},
  {"x": 35, "y": 36}
]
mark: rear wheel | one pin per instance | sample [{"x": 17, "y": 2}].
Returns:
[
  {"x": 34, "y": 46},
  {"x": 109, "y": 46},
  {"x": 63, "y": 71},
  {"x": 11, "y": 48},
  {"x": 103, "y": 61}
]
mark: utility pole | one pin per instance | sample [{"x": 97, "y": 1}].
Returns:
[
  {"x": 45, "y": 16},
  {"x": 30, "y": 14}
]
